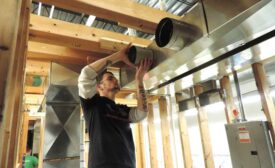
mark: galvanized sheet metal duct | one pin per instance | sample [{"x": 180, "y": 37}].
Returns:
[{"x": 62, "y": 127}]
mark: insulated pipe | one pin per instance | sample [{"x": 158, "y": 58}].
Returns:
[
  {"x": 173, "y": 34},
  {"x": 236, "y": 81}
]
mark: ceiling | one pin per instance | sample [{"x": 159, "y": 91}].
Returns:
[{"x": 176, "y": 7}]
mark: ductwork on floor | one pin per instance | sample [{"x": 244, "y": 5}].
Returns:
[{"x": 213, "y": 38}]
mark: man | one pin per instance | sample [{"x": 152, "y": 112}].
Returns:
[{"x": 111, "y": 141}]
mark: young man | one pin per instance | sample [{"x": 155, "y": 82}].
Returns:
[{"x": 108, "y": 123}]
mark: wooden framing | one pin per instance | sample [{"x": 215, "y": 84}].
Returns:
[
  {"x": 266, "y": 99},
  {"x": 54, "y": 53},
  {"x": 127, "y": 12},
  {"x": 152, "y": 137},
  {"x": 204, "y": 130},
  {"x": 165, "y": 132},
  {"x": 186, "y": 150},
  {"x": 12, "y": 110},
  {"x": 185, "y": 141},
  {"x": 52, "y": 31},
  {"x": 23, "y": 137},
  {"x": 228, "y": 100}
]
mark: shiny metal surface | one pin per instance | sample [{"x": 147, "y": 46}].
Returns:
[
  {"x": 175, "y": 34},
  {"x": 136, "y": 54},
  {"x": 62, "y": 94},
  {"x": 62, "y": 125},
  {"x": 208, "y": 48},
  {"x": 62, "y": 164}
]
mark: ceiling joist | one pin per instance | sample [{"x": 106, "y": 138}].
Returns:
[
  {"x": 47, "y": 52},
  {"x": 127, "y": 12},
  {"x": 52, "y": 31}
]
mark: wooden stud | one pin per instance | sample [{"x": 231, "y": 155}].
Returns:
[
  {"x": 41, "y": 146},
  {"x": 127, "y": 12},
  {"x": 185, "y": 141},
  {"x": 23, "y": 137},
  {"x": 165, "y": 131},
  {"x": 266, "y": 99},
  {"x": 184, "y": 136},
  {"x": 152, "y": 137},
  {"x": 14, "y": 89},
  {"x": 228, "y": 100},
  {"x": 137, "y": 139},
  {"x": 204, "y": 130}
]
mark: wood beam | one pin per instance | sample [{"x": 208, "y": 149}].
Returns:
[
  {"x": 165, "y": 133},
  {"x": 204, "y": 130},
  {"x": 41, "y": 68},
  {"x": 54, "y": 53},
  {"x": 228, "y": 100},
  {"x": 152, "y": 137},
  {"x": 52, "y": 31},
  {"x": 127, "y": 12},
  {"x": 23, "y": 137},
  {"x": 14, "y": 89},
  {"x": 266, "y": 99},
  {"x": 128, "y": 102},
  {"x": 185, "y": 141}
]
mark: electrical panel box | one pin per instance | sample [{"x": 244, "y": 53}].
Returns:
[{"x": 250, "y": 145}]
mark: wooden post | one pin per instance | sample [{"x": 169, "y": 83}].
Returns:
[
  {"x": 184, "y": 137},
  {"x": 137, "y": 145},
  {"x": 204, "y": 130},
  {"x": 23, "y": 137},
  {"x": 165, "y": 132},
  {"x": 228, "y": 100},
  {"x": 267, "y": 102},
  {"x": 142, "y": 145},
  {"x": 41, "y": 147},
  {"x": 152, "y": 137},
  {"x": 185, "y": 141},
  {"x": 14, "y": 88}
]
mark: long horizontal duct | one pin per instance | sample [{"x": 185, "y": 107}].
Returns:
[{"x": 212, "y": 29}]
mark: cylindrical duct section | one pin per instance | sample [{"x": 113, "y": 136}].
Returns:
[
  {"x": 136, "y": 54},
  {"x": 175, "y": 35}
]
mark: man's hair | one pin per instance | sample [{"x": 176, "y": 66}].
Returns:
[{"x": 100, "y": 75}]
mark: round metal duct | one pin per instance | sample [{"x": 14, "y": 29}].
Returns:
[
  {"x": 136, "y": 54},
  {"x": 173, "y": 34}
]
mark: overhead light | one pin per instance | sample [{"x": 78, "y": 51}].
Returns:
[
  {"x": 51, "y": 12},
  {"x": 39, "y": 8},
  {"x": 90, "y": 20}
]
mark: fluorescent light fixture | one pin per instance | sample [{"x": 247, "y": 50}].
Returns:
[
  {"x": 51, "y": 12},
  {"x": 39, "y": 8},
  {"x": 90, "y": 20}
]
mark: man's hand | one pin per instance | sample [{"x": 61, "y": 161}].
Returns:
[{"x": 142, "y": 69}]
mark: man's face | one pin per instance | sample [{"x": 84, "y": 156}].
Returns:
[{"x": 108, "y": 84}]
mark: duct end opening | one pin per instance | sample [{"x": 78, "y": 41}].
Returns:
[
  {"x": 164, "y": 32},
  {"x": 132, "y": 54}
]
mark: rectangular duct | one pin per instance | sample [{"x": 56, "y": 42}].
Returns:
[
  {"x": 225, "y": 25},
  {"x": 62, "y": 127}
]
